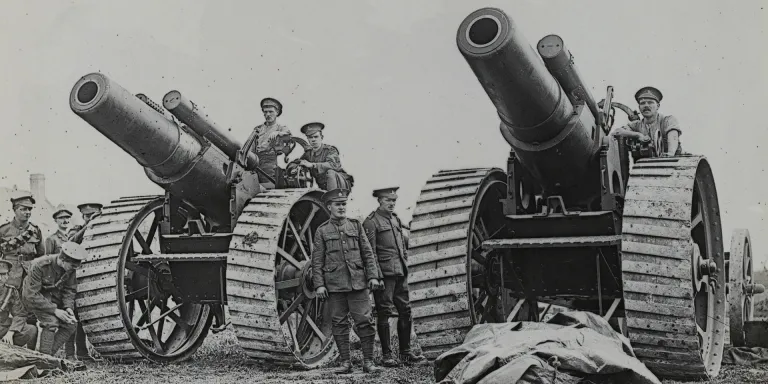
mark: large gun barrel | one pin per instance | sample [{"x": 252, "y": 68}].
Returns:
[
  {"x": 553, "y": 138},
  {"x": 172, "y": 157}
]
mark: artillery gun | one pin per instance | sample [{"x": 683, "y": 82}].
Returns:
[
  {"x": 572, "y": 222},
  {"x": 162, "y": 268}
]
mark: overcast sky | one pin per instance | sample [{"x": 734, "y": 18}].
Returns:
[{"x": 385, "y": 77}]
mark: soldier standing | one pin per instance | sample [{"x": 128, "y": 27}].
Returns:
[
  {"x": 20, "y": 240},
  {"x": 342, "y": 262},
  {"x": 77, "y": 342},
  {"x": 323, "y": 161},
  {"x": 53, "y": 242},
  {"x": 265, "y": 135},
  {"x": 49, "y": 293},
  {"x": 385, "y": 233},
  {"x": 14, "y": 331}
]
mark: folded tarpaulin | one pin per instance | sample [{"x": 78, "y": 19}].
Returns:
[
  {"x": 21, "y": 363},
  {"x": 572, "y": 347},
  {"x": 745, "y": 355}
]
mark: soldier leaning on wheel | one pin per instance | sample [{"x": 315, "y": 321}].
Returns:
[
  {"x": 13, "y": 330},
  {"x": 48, "y": 292},
  {"x": 385, "y": 233},
  {"x": 342, "y": 263}
]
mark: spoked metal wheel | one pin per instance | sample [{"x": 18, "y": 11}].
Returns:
[
  {"x": 456, "y": 211},
  {"x": 673, "y": 267},
  {"x": 271, "y": 300},
  {"x": 162, "y": 326},
  {"x": 127, "y": 308},
  {"x": 741, "y": 286}
]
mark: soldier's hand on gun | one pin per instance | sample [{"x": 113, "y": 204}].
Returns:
[
  {"x": 65, "y": 316},
  {"x": 322, "y": 293},
  {"x": 8, "y": 338},
  {"x": 305, "y": 163},
  {"x": 644, "y": 138}
]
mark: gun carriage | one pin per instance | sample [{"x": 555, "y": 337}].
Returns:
[{"x": 573, "y": 222}]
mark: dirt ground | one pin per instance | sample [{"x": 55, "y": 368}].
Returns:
[{"x": 220, "y": 360}]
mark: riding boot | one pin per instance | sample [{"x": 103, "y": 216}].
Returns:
[
  {"x": 404, "y": 338},
  {"x": 382, "y": 327},
  {"x": 367, "y": 345},
  {"x": 342, "y": 343},
  {"x": 46, "y": 340}
]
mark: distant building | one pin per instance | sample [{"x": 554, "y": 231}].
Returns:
[{"x": 43, "y": 211}]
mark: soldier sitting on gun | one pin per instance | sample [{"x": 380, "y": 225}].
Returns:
[
  {"x": 53, "y": 242},
  {"x": 265, "y": 136},
  {"x": 14, "y": 330},
  {"x": 49, "y": 293},
  {"x": 342, "y": 263},
  {"x": 653, "y": 124},
  {"x": 322, "y": 160}
]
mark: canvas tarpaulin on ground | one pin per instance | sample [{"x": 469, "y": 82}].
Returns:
[
  {"x": 21, "y": 363},
  {"x": 572, "y": 347}
]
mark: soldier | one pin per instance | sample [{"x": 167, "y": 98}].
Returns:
[
  {"x": 54, "y": 241},
  {"x": 265, "y": 136},
  {"x": 89, "y": 211},
  {"x": 49, "y": 293},
  {"x": 14, "y": 331},
  {"x": 654, "y": 124},
  {"x": 20, "y": 240},
  {"x": 322, "y": 160},
  {"x": 385, "y": 232},
  {"x": 342, "y": 262}
]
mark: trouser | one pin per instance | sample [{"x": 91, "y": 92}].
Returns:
[
  {"x": 393, "y": 297},
  {"x": 332, "y": 180},
  {"x": 76, "y": 340},
  {"x": 27, "y": 336},
  {"x": 355, "y": 304},
  {"x": 54, "y": 333}
]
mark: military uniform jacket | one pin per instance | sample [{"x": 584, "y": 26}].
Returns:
[
  {"x": 326, "y": 157},
  {"x": 30, "y": 250},
  {"x": 385, "y": 233},
  {"x": 14, "y": 308},
  {"x": 48, "y": 287},
  {"x": 662, "y": 125},
  {"x": 342, "y": 258},
  {"x": 53, "y": 242}
]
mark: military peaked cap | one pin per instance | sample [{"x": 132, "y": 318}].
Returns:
[
  {"x": 386, "y": 192},
  {"x": 74, "y": 251},
  {"x": 61, "y": 211},
  {"x": 270, "y": 102},
  {"x": 312, "y": 128},
  {"x": 89, "y": 208},
  {"x": 648, "y": 93},
  {"x": 24, "y": 201},
  {"x": 335, "y": 195}
]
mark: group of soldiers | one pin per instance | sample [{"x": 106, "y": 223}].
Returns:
[
  {"x": 322, "y": 160},
  {"x": 349, "y": 260},
  {"x": 38, "y": 282}
]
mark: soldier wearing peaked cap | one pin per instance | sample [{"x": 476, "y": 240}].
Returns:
[
  {"x": 62, "y": 218},
  {"x": 14, "y": 329},
  {"x": 343, "y": 269},
  {"x": 663, "y": 130},
  {"x": 385, "y": 232},
  {"x": 20, "y": 240},
  {"x": 77, "y": 342},
  {"x": 262, "y": 138},
  {"x": 323, "y": 160},
  {"x": 49, "y": 293}
]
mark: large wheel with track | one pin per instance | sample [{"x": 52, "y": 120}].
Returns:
[
  {"x": 741, "y": 286},
  {"x": 272, "y": 305},
  {"x": 456, "y": 211},
  {"x": 126, "y": 307},
  {"x": 673, "y": 267}
]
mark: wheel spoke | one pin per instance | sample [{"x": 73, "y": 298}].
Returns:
[
  {"x": 298, "y": 239},
  {"x": 292, "y": 308},
  {"x": 135, "y": 295},
  {"x": 288, "y": 284},
  {"x": 285, "y": 255},
  {"x": 315, "y": 328}
]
